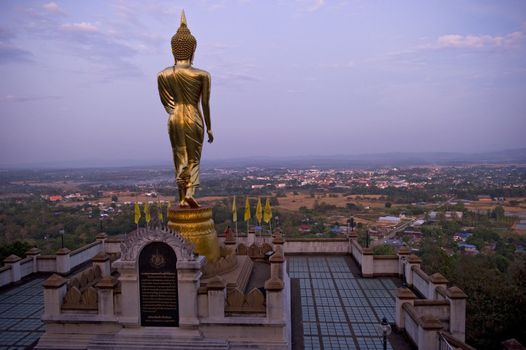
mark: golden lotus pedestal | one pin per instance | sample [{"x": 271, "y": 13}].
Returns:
[{"x": 197, "y": 226}]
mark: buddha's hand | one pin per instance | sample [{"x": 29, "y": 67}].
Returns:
[{"x": 210, "y": 136}]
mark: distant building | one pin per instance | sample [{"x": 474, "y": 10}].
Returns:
[
  {"x": 389, "y": 220},
  {"x": 452, "y": 215},
  {"x": 304, "y": 228},
  {"x": 461, "y": 236},
  {"x": 54, "y": 198},
  {"x": 393, "y": 242},
  {"x": 484, "y": 198},
  {"x": 468, "y": 248}
]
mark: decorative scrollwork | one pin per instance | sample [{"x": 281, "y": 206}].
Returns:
[{"x": 134, "y": 243}]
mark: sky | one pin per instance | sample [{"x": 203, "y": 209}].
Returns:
[{"x": 289, "y": 77}]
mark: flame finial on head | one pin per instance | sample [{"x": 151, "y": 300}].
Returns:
[
  {"x": 183, "y": 18},
  {"x": 183, "y": 42}
]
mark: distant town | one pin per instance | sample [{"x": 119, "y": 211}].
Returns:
[{"x": 388, "y": 207}]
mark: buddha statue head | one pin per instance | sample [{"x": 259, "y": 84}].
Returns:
[{"x": 183, "y": 42}]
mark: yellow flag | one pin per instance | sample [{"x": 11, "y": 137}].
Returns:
[
  {"x": 259, "y": 211},
  {"x": 247, "y": 210},
  {"x": 137, "y": 213},
  {"x": 267, "y": 215},
  {"x": 160, "y": 211},
  {"x": 147, "y": 215},
  {"x": 234, "y": 210}
]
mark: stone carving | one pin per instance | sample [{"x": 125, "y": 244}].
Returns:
[
  {"x": 221, "y": 266},
  {"x": 80, "y": 294},
  {"x": 255, "y": 298},
  {"x": 237, "y": 302},
  {"x": 235, "y": 298},
  {"x": 75, "y": 300},
  {"x": 242, "y": 249},
  {"x": 131, "y": 247},
  {"x": 254, "y": 251},
  {"x": 72, "y": 297}
]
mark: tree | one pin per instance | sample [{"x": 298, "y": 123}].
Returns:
[{"x": 498, "y": 212}]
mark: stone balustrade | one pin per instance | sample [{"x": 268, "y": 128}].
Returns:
[{"x": 63, "y": 262}]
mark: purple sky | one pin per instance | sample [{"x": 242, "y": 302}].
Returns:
[{"x": 78, "y": 78}]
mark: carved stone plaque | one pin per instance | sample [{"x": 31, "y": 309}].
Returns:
[{"x": 158, "y": 286}]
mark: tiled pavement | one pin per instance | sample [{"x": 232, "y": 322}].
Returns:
[
  {"x": 340, "y": 310},
  {"x": 20, "y": 310}
]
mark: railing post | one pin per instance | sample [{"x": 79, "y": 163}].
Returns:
[
  {"x": 63, "y": 261},
  {"x": 428, "y": 329},
  {"x": 457, "y": 312},
  {"x": 435, "y": 280},
  {"x": 105, "y": 289},
  {"x": 14, "y": 262},
  {"x": 188, "y": 278},
  {"x": 216, "y": 298},
  {"x": 54, "y": 291},
  {"x": 101, "y": 237},
  {"x": 33, "y": 253},
  {"x": 403, "y": 253},
  {"x": 251, "y": 238},
  {"x": 412, "y": 260},
  {"x": 367, "y": 262},
  {"x": 403, "y": 296},
  {"x": 102, "y": 260},
  {"x": 276, "y": 263},
  {"x": 275, "y": 307}
]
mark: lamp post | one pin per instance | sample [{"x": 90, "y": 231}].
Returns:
[
  {"x": 384, "y": 330},
  {"x": 367, "y": 239},
  {"x": 62, "y": 237}
]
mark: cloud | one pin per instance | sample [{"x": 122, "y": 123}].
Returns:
[
  {"x": 9, "y": 52},
  {"x": 81, "y": 27},
  {"x": 457, "y": 41},
  {"x": 310, "y": 5},
  {"x": 21, "y": 99},
  {"x": 53, "y": 8},
  {"x": 342, "y": 65},
  {"x": 13, "y": 54},
  {"x": 318, "y": 4}
]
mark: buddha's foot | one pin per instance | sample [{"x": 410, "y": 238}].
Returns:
[{"x": 192, "y": 202}]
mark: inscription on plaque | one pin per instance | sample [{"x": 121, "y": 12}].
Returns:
[{"x": 158, "y": 286}]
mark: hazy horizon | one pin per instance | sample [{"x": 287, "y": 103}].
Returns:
[
  {"x": 289, "y": 78},
  {"x": 363, "y": 159}
]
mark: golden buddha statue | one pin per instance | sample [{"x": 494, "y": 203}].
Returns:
[{"x": 181, "y": 87}]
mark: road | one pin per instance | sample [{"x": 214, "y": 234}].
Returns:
[{"x": 406, "y": 224}]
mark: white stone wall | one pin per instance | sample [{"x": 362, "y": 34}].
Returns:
[
  {"x": 385, "y": 266},
  {"x": 316, "y": 247},
  {"x": 420, "y": 283},
  {"x": 83, "y": 254},
  {"x": 5, "y": 276},
  {"x": 26, "y": 267},
  {"x": 46, "y": 265},
  {"x": 411, "y": 328}
]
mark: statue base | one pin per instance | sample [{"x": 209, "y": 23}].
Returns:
[{"x": 197, "y": 226}]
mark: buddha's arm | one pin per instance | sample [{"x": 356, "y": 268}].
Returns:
[
  {"x": 166, "y": 98},
  {"x": 205, "y": 104}
]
